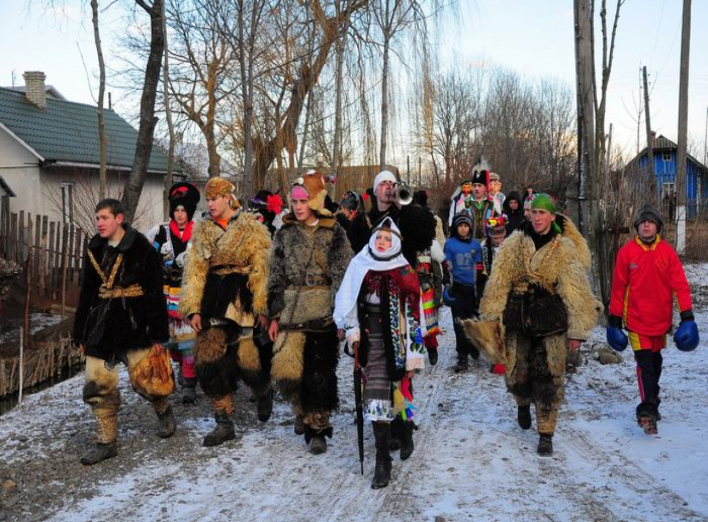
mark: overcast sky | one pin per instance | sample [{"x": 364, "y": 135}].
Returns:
[{"x": 533, "y": 38}]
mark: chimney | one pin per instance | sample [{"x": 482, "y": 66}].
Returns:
[
  {"x": 34, "y": 88},
  {"x": 653, "y": 139}
]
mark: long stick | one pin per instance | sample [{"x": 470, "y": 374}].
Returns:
[
  {"x": 359, "y": 407},
  {"x": 22, "y": 366}
]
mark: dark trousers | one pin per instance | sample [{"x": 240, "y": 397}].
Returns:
[
  {"x": 465, "y": 307},
  {"x": 649, "y": 364}
]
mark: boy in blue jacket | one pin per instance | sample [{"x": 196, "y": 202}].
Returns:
[{"x": 462, "y": 253}]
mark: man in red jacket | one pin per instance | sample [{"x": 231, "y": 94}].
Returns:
[{"x": 648, "y": 274}]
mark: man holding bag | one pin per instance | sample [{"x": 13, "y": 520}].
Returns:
[{"x": 122, "y": 317}]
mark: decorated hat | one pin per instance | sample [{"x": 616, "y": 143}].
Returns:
[
  {"x": 495, "y": 224},
  {"x": 480, "y": 172},
  {"x": 313, "y": 185},
  {"x": 351, "y": 201},
  {"x": 185, "y": 195}
]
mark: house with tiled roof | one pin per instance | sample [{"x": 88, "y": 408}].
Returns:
[{"x": 49, "y": 155}]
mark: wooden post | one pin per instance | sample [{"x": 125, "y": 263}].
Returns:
[
  {"x": 655, "y": 192},
  {"x": 683, "y": 130},
  {"x": 64, "y": 259}
]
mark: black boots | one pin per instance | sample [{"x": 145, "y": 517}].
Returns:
[
  {"x": 382, "y": 472},
  {"x": 523, "y": 416},
  {"x": 545, "y": 445},
  {"x": 433, "y": 356},
  {"x": 224, "y": 430},
  {"x": 265, "y": 405},
  {"x": 318, "y": 444},
  {"x": 99, "y": 453},
  {"x": 407, "y": 439},
  {"x": 166, "y": 424},
  {"x": 299, "y": 425},
  {"x": 462, "y": 364},
  {"x": 189, "y": 390}
]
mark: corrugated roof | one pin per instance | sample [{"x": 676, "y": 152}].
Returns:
[{"x": 68, "y": 132}]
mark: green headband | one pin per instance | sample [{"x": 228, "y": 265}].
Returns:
[{"x": 544, "y": 202}]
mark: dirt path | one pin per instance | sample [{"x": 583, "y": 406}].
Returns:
[{"x": 471, "y": 462}]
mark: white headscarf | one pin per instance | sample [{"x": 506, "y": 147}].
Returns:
[{"x": 345, "y": 308}]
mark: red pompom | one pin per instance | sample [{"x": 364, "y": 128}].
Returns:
[
  {"x": 274, "y": 204},
  {"x": 498, "y": 369}
]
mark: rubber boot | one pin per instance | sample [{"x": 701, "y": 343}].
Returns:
[
  {"x": 265, "y": 405},
  {"x": 224, "y": 430},
  {"x": 166, "y": 423},
  {"x": 99, "y": 453},
  {"x": 545, "y": 444},
  {"x": 407, "y": 445},
  {"x": 189, "y": 391},
  {"x": 382, "y": 472},
  {"x": 523, "y": 416}
]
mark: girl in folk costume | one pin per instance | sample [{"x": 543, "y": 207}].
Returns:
[
  {"x": 224, "y": 295},
  {"x": 310, "y": 255},
  {"x": 171, "y": 240},
  {"x": 378, "y": 309}
]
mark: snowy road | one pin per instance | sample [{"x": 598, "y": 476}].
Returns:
[{"x": 472, "y": 462}]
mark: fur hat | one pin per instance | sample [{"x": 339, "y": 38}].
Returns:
[
  {"x": 351, "y": 201},
  {"x": 421, "y": 197},
  {"x": 315, "y": 184},
  {"x": 648, "y": 213},
  {"x": 184, "y": 194}
]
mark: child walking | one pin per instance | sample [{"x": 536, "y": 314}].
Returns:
[{"x": 462, "y": 254}]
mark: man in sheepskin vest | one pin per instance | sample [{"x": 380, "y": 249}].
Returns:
[
  {"x": 224, "y": 296},
  {"x": 540, "y": 292},
  {"x": 310, "y": 255},
  {"x": 121, "y": 317}
]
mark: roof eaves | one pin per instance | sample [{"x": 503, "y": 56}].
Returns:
[{"x": 22, "y": 142}]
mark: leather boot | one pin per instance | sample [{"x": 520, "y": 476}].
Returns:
[
  {"x": 299, "y": 425},
  {"x": 318, "y": 444},
  {"x": 396, "y": 434},
  {"x": 99, "y": 453},
  {"x": 189, "y": 391},
  {"x": 166, "y": 424},
  {"x": 545, "y": 444},
  {"x": 382, "y": 472},
  {"x": 407, "y": 445},
  {"x": 523, "y": 416},
  {"x": 265, "y": 405},
  {"x": 224, "y": 430}
]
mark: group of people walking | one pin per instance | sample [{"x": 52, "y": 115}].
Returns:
[{"x": 239, "y": 300}]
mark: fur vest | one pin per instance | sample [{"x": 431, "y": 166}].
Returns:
[
  {"x": 108, "y": 325},
  {"x": 226, "y": 273},
  {"x": 556, "y": 267},
  {"x": 306, "y": 268}
]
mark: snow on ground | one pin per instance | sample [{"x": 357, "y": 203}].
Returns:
[{"x": 472, "y": 461}]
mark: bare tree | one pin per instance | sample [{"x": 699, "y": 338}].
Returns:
[
  {"x": 101, "y": 91},
  {"x": 146, "y": 128}
]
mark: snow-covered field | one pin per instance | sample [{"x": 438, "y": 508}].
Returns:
[{"x": 472, "y": 461}]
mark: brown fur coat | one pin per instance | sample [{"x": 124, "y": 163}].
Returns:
[
  {"x": 244, "y": 244},
  {"x": 311, "y": 263},
  {"x": 558, "y": 267}
]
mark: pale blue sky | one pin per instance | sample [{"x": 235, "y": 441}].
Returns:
[{"x": 532, "y": 37}]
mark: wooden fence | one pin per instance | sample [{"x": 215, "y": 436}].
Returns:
[{"x": 52, "y": 251}]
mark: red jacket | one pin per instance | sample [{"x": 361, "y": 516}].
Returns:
[{"x": 644, "y": 283}]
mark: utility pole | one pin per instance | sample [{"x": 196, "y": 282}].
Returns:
[
  {"x": 650, "y": 145},
  {"x": 683, "y": 130}
]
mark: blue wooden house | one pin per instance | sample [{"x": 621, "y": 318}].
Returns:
[{"x": 666, "y": 168}]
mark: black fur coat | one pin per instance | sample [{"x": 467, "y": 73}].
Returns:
[{"x": 111, "y": 327}]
